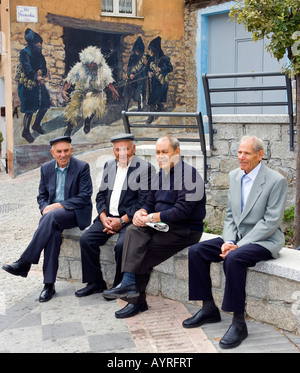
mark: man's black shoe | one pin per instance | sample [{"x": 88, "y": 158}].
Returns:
[
  {"x": 129, "y": 291},
  {"x": 233, "y": 337},
  {"x": 201, "y": 318},
  {"x": 47, "y": 293},
  {"x": 19, "y": 268},
  {"x": 91, "y": 288},
  {"x": 131, "y": 310}
]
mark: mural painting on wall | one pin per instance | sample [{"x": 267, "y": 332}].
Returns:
[{"x": 96, "y": 87}]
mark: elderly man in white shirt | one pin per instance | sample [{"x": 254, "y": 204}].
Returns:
[{"x": 124, "y": 187}]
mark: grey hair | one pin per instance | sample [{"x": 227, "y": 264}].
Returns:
[
  {"x": 172, "y": 139},
  {"x": 258, "y": 144}
]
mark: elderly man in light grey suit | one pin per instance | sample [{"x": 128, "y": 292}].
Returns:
[{"x": 251, "y": 233}]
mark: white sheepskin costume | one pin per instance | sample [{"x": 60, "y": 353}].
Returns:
[{"x": 88, "y": 98}]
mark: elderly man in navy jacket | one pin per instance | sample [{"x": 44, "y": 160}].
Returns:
[
  {"x": 177, "y": 198},
  {"x": 65, "y": 202}
]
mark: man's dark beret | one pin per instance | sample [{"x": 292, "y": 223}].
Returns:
[
  {"x": 61, "y": 138},
  {"x": 122, "y": 136}
]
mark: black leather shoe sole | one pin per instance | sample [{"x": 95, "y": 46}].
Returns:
[
  {"x": 85, "y": 292},
  {"x": 130, "y": 291},
  {"x": 131, "y": 310},
  {"x": 200, "y": 319},
  {"x": 233, "y": 337},
  {"x": 10, "y": 269}
]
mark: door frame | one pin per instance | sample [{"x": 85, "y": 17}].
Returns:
[{"x": 202, "y": 47}]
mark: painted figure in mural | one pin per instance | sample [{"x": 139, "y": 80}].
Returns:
[
  {"x": 158, "y": 67},
  {"x": 32, "y": 92},
  {"x": 89, "y": 77},
  {"x": 136, "y": 76}
]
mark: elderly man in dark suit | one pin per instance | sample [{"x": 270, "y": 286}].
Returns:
[
  {"x": 65, "y": 202},
  {"x": 124, "y": 188}
]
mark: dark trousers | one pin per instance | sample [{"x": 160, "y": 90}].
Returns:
[
  {"x": 47, "y": 237},
  {"x": 90, "y": 243},
  {"x": 145, "y": 247},
  {"x": 235, "y": 268}
]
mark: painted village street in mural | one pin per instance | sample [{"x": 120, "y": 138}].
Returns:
[{"x": 96, "y": 87}]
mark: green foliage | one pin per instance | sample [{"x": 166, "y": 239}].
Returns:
[
  {"x": 278, "y": 21},
  {"x": 289, "y": 214},
  {"x": 217, "y": 231},
  {"x": 289, "y": 233}
]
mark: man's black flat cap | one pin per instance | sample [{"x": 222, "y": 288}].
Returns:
[
  {"x": 122, "y": 136},
  {"x": 61, "y": 138}
]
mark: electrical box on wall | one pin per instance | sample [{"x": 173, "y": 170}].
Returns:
[{"x": 2, "y": 111}]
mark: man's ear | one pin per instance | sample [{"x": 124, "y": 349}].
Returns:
[{"x": 261, "y": 154}]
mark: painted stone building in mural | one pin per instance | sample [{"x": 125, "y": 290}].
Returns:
[{"x": 72, "y": 67}]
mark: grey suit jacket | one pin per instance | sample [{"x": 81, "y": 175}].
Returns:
[{"x": 261, "y": 218}]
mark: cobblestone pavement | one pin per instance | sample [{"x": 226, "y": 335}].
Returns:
[{"x": 71, "y": 324}]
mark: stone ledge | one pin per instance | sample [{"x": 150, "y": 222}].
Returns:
[
  {"x": 273, "y": 287},
  {"x": 286, "y": 266}
]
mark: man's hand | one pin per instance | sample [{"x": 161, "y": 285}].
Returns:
[
  {"x": 140, "y": 218},
  {"x": 114, "y": 92},
  {"x": 51, "y": 207},
  {"x": 226, "y": 248},
  {"x": 112, "y": 225},
  {"x": 106, "y": 221},
  {"x": 40, "y": 79},
  {"x": 64, "y": 92}
]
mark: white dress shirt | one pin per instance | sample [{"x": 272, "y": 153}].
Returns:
[{"x": 116, "y": 193}]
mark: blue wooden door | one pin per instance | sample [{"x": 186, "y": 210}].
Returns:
[{"x": 231, "y": 49}]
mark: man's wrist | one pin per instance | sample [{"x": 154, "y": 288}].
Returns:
[
  {"x": 123, "y": 223},
  {"x": 232, "y": 242},
  {"x": 151, "y": 218}
]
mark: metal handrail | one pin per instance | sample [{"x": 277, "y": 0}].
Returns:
[
  {"x": 209, "y": 105},
  {"x": 198, "y": 126}
]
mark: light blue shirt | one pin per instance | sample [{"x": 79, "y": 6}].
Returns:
[
  {"x": 247, "y": 183},
  {"x": 60, "y": 183}
]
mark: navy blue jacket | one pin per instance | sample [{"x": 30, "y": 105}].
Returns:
[
  {"x": 179, "y": 196},
  {"x": 78, "y": 189}
]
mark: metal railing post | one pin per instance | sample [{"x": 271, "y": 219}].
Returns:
[
  {"x": 199, "y": 127},
  {"x": 209, "y": 105}
]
